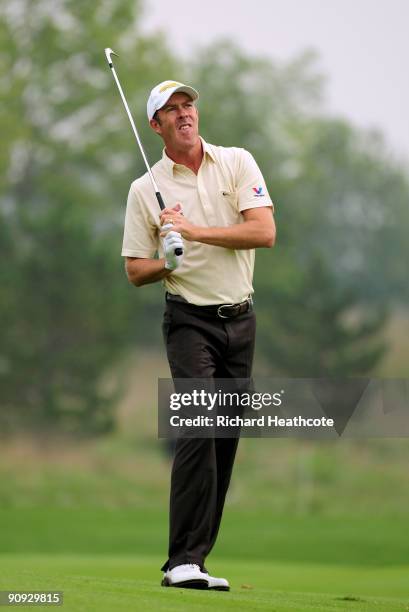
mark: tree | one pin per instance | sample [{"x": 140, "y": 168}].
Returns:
[
  {"x": 68, "y": 157},
  {"x": 67, "y": 160},
  {"x": 316, "y": 328},
  {"x": 341, "y": 210}
]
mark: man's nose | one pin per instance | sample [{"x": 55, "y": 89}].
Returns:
[{"x": 182, "y": 112}]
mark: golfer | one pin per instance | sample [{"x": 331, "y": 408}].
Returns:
[{"x": 219, "y": 211}]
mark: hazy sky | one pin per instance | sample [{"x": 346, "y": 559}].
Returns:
[{"x": 363, "y": 46}]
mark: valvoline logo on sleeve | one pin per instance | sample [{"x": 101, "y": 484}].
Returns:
[{"x": 258, "y": 192}]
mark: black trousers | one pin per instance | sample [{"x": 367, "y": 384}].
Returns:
[{"x": 202, "y": 345}]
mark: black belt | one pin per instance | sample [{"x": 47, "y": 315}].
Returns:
[{"x": 223, "y": 311}]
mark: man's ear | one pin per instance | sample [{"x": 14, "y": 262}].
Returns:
[{"x": 155, "y": 126}]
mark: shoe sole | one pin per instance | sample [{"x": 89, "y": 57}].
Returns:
[
  {"x": 219, "y": 588},
  {"x": 186, "y": 584}
]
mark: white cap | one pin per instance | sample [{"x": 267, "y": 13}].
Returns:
[{"x": 162, "y": 92}]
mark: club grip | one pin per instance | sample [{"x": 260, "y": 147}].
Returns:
[
  {"x": 161, "y": 203},
  {"x": 160, "y": 200}
]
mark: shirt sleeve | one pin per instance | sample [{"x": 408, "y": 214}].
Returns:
[
  {"x": 140, "y": 233},
  {"x": 251, "y": 187}
]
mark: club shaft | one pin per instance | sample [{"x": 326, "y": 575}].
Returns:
[
  {"x": 108, "y": 53},
  {"x": 135, "y": 131}
]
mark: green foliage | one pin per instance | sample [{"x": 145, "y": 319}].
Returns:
[
  {"x": 318, "y": 329},
  {"x": 68, "y": 158},
  {"x": 350, "y": 201},
  {"x": 341, "y": 212}
]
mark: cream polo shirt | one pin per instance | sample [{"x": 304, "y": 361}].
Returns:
[{"x": 228, "y": 182}]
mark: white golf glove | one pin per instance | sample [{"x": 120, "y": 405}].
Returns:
[{"x": 172, "y": 241}]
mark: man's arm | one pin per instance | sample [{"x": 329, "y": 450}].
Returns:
[
  {"x": 141, "y": 271},
  {"x": 144, "y": 271},
  {"x": 257, "y": 230}
]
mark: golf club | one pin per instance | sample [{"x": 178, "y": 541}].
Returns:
[{"x": 108, "y": 54}]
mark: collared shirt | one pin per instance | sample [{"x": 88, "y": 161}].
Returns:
[{"x": 227, "y": 183}]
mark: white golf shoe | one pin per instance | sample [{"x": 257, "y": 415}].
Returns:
[
  {"x": 187, "y": 576},
  {"x": 217, "y": 584}
]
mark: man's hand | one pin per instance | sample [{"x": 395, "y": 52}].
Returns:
[
  {"x": 257, "y": 229},
  {"x": 179, "y": 223},
  {"x": 172, "y": 241}
]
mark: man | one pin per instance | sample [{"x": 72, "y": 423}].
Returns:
[{"x": 221, "y": 213}]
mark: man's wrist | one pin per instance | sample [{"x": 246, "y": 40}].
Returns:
[{"x": 196, "y": 234}]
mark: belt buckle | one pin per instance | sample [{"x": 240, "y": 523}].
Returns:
[{"x": 219, "y": 313}]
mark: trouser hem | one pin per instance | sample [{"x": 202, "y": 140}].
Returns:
[{"x": 169, "y": 565}]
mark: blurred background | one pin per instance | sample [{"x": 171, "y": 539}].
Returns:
[{"x": 318, "y": 93}]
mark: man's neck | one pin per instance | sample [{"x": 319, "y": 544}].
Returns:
[{"x": 192, "y": 158}]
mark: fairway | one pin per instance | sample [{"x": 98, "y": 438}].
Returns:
[
  {"x": 107, "y": 583},
  {"x": 93, "y": 526}
]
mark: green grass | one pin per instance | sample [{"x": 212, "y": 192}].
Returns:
[
  {"x": 373, "y": 542},
  {"x": 343, "y": 478},
  {"x": 95, "y": 583},
  {"x": 106, "y": 560},
  {"x": 307, "y": 526}
]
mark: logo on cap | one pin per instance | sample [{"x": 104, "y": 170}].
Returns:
[{"x": 168, "y": 86}]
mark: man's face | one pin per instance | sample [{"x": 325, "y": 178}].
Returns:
[{"x": 178, "y": 122}]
